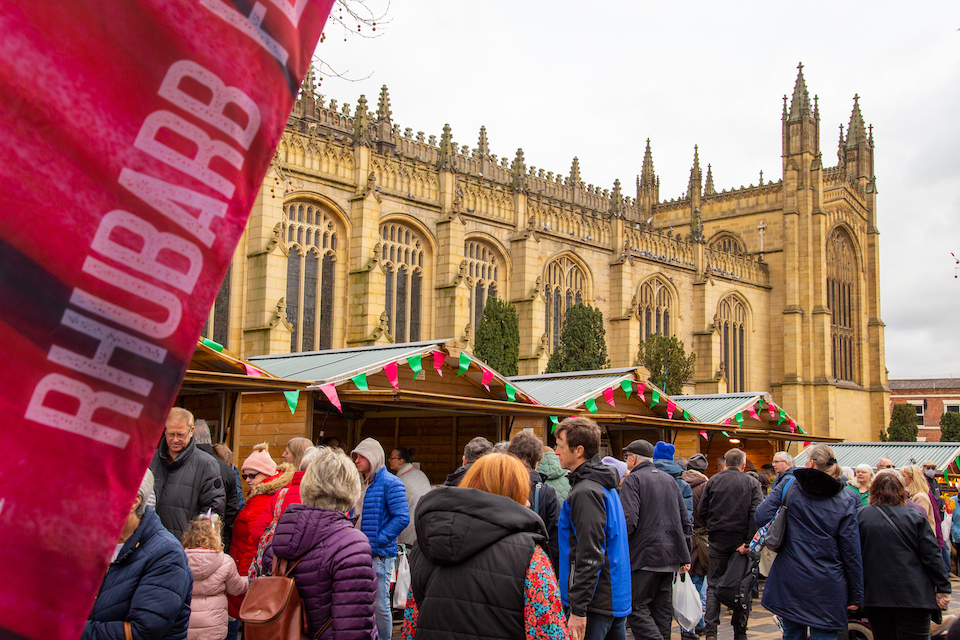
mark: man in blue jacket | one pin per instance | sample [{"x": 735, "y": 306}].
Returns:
[
  {"x": 383, "y": 515},
  {"x": 592, "y": 531}
]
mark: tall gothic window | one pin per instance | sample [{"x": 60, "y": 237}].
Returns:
[
  {"x": 842, "y": 302},
  {"x": 726, "y": 243},
  {"x": 483, "y": 271},
  {"x": 220, "y": 314},
  {"x": 732, "y": 321},
  {"x": 565, "y": 287},
  {"x": 402, "y": 262},
  {"x": 654, "y": 309},
  {"x": 311, "y": 238}
]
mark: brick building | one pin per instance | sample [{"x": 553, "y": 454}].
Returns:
[
  {"x": 931, "y": 397},
  {"x": 366, "y": 234}
]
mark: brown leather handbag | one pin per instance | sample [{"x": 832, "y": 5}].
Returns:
[{"x": 272, "y": 609}]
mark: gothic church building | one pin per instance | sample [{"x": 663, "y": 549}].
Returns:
[{"x": 364, "y": 234}]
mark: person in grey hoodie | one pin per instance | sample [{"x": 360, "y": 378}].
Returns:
[{"x": 554, "y": 475}]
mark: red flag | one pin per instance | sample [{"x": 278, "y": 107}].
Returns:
[
  {"x": 671, "y": 407},
  {"x": 330, "y": 390},
  {"x": 608, "y": 396},
  {"x": 134, "y": 139},
  {"x": 391, "y": 371}
]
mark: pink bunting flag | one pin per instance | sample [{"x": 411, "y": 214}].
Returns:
[
  {"x": 793, "y": 425},
  {"x": 438, "y": 359},
  {"x": 330, "y": 390},
  {"x": 487, "y": 377},
  {"x": 727, "y": 421},
  {"x": 806, "y": 444},
  {"x": 753, "y": 413},
  {"x": 641, "y": 387},
  {"x": 773, "y": 408},
  {"x": 705, "y": 436},
  {"x": 391, "y": 371},
  {"x": 608, "y": 396},
  {"x": 671, "y": 407},
  {"x": 252, "y": 371}
]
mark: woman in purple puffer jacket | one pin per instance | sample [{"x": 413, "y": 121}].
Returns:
[{"x": 335, "y": 577}]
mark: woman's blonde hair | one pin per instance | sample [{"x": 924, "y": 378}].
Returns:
[
  {"x": 824, "y": 459},
  {"x": 330, "y": 481},
  {"x": 204, "y": 533},
  {"x": 499, "y": 473},
  {"x": 915, "y": 480},
  {"x": 298, "y": 447}
]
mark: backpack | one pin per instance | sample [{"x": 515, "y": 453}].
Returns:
[
  {"x": 272, "y": 609},
  {"x": 735, "y": 587}
]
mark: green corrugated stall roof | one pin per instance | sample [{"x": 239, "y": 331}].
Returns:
[
  {"x": 571, "y": 389},
  {"x": 716, "y": 408},
  {"x": 851, "y": 454}
]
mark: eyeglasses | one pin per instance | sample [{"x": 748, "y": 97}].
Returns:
[
  {"x": 176, "y": 436},
  {"x": 249, "y": 476},
  {"x": 627, "y": 456},
  {"x": 886, "y": 466},
  {"x": 394, "y": 458}
]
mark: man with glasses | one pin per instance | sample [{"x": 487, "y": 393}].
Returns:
[
  {"x": 783, "y": 466},
  {"x": 885, "y": 463},
  {"x": 187, "y": 480},
  {"x": 633, "y": 452}
]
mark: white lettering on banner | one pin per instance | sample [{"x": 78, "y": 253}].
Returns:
[
  {"x": 110, "y": 340},
  {"x": 213, "y": 112},
  {"x": 194, "y": 212},
  {"x": 81, "y": 422},
  {"x": 144, "y": 290},
  {"x": 164, "y": 197},
  {"x": 250, "y": 26},
  {"x": 292, "y": 11},
  {"x": 207, "y": 149},
  {"x": 145, "y": 260}
]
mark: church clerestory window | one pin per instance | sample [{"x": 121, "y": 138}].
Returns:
[
  {"x": 726, "y": 243},
  {"x": 311, "y": 238},
  {"x": 732, "y": 321},
  {"x": 842, "y": 303},
  {"x": 654, "y": 309},
  {"x": 402, "y": 262},
  {"x": 483, "y": 271},
  {"x": 565, "y": 286}
]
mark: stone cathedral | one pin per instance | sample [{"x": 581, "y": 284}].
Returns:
[{"x": 366, "y": 234}]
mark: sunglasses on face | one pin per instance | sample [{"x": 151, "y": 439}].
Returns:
[{"x": 249, "y": 476}]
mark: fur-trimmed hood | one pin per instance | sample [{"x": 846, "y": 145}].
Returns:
[{"x": 274, "y": 483}]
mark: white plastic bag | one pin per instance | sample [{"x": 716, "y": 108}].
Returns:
[
  {"x": 687, "y": 609},
  {"x": 402, "y": 584}
]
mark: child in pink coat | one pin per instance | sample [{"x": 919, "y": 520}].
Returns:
[{"x": 214, "y": 576}]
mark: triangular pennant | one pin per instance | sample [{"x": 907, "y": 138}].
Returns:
[
  {"x": 487, "y": 377},
  {"x": 792, "y": 429},
  {"x": 800, "y": 429},
  {"x": 686, "y": 415},
  {"x": 739, "y": 418},
  {"x": 641, "y": 389},
  {"x": 654, "y": 397},
  {"x": 762, "y": 404},
  {"x": 783, "y": 416},
  {"x": 957, "y": 462},
  {"x": 608, "y": 396},
  {"x": 511, "y": 393},
  {"x": 806, "y": 444},
  {"x": 727, "y": 421},
  {"x": 416, "y": 365},
  {"x": 391, "y": 371},
  {"x": 252, "y": 371},
  {"x": 671, "y": 407},
  {"x": 704, "y": 434},
  {"x": 554, "y": 421},
  {"x": 464, "y": 363},
  {"x": 591, "y": 405},
  {"x": 216, "y": 346},
  {"x": 361, "y": 381},
  {"x": 293, "y": 397},
  {"x": 946, "y": 477},
  {"x": 330, "y": 390},
  {"x": 438, "y": 358},
  {"x": 627, "y": 387},
  {"x": 753, "y": 413},
  {"x": 725, "y": 433},
  {"x": 772, "y": 407}
]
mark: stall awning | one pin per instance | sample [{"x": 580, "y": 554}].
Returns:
[
  {"x": 212, "y": 368},
  {"x": 903, "y": 454},
  {"x": 750, "y": 410}
]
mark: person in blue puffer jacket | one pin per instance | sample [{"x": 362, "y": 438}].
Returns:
[
  {"x": 383, "y": 515},
  {"x": 148, "y": 586},
  {"x": 663, "y": 454}
]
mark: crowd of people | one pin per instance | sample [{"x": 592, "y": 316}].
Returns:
[{"x": 524, "y": 541}]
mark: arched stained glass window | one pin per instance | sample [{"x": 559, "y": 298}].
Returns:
[
  {"x": 732, "y": 319},
  {"x": 311, "y": 237},
  {"x": 654, "y": 308},
  {"x": 484, "y": 273},
  {"x": 402, "y": 263},
  {"x": 565, "y": 286},
  {"x": 727, "y": 243},
  {"x": 842, "y": 302}
]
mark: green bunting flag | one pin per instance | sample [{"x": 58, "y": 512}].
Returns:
[
  {"x": 763, "y": 405},
  {"x": 216, "y": 346},
  {"x": 800, "y": 429},
  {"x": 590, "y": 404},
  {"x": 654, "y": 397},
  {"x": 783, "y": 416},
  {"x": 957, "y": 462},
  {"x": 511, "y": 393},
  {"x": 686, "y": 415},
  {"x": 627, "y": 387},
  {"x": 554, "y": 422},
  {"x": 361, "y": 382},
  {"x": 739, "y": 418},
  {"x": 725, "y": 433},
  {"x": 293, "y": 397},
  {"x": 415, "y": 365},
  {"x": 946, "y": 477},
  {"x": 464, "y": 363}
]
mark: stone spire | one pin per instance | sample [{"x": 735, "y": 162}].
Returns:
[
  {"x": 800, "y": 104},
  {"x": 647, "y": 177},
  {"x": 446, "y": 150},
  {"x": 574, "y": 179},
  {"x": 483, "y": 147},
  {"x": 519, "y": 170},
  {"x": 841, "y": 155},
  {"x": 384, "y": 114},
  {"x": 616, "y": 199},
  {"x": 709, "y": 189},
  {"x": 696, "y": 178},
  {"x": 856, "y": 130},
  {"x": 361, "y": 124},
  {"x": 309, "y": 85}
]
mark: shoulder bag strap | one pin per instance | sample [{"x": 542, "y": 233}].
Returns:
[
  {"x": 786, "y": 492},
  {"x": 536, "y": 498},
  {"x": 898, "y": 530}
]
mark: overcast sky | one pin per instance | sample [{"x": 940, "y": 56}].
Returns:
[{"x": 595, "y": 80}]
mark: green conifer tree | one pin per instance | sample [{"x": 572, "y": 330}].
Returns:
[
  {"x": 950, "y": 427},
  {"x": 583, "y": 345},
  {"x": 668, "y": 362},
  {"x": 903, "y": 424},
  {"x": 497, "y": 340}
]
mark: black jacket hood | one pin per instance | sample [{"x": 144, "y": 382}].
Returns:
[
  {"x": 454, "y": 523},
  {"x": 594, "y": 469},
  {"x": 817, "y": 484}
]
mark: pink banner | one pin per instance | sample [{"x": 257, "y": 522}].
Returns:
[
  {"x": 671, "y": 407},
  {"x": 487, "y": 377},
  {"x": 330, "y": 390},
  {"x": 438, "y": 359},
  {"x": 391, "y": 371},
  {"x": 608, "y": 396},
  {"x": 134, "y": 138},
  {"x": 253, "y": 371}
]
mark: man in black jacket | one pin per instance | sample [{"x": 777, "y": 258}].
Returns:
[
  {"x": 471, "y": 453},
  {"x": 543, "y": 497},
  {"x": 201, "y": 435},
  {"x": 188, "y": 481},
  {"x": 727, "y": 505},
  {"x": 660, "y": 533}
]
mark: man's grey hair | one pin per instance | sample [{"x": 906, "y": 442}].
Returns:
[
  {"x": 880, "y": 461},
  {"x": 785, "y": 457},
  {"x": 735, "y": 458},
  {"x": 201, "y": 432},
  {"x": 502, "y": 446},
  {"x": 894, "y": 472},
  {"x": 145, "y": 492},
  {"x": 641, "y": 459},
  {"x": 476, "y": 448}
]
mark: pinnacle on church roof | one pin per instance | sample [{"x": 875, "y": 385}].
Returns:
[
  {"x": 616, "y": 199},
  {"x": 709, "y": 189},
  {"x": 309, "y": 83},
  {"x": 574, "y": 179},
  {"x": 841, "y": 156},
  {"x": 695, "y": 175},
  {"x": 361, "y": 124},
  {"x": 519, "y": 169},
  {"x": 446, "y": 149},
  {"x": 800, "y": 104},
  {"x": 646, "y": 173},
  {"x": 483, "y": 147},
  {"x": 383, "y": 106},
  {"x": 856, "y": 131}
]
